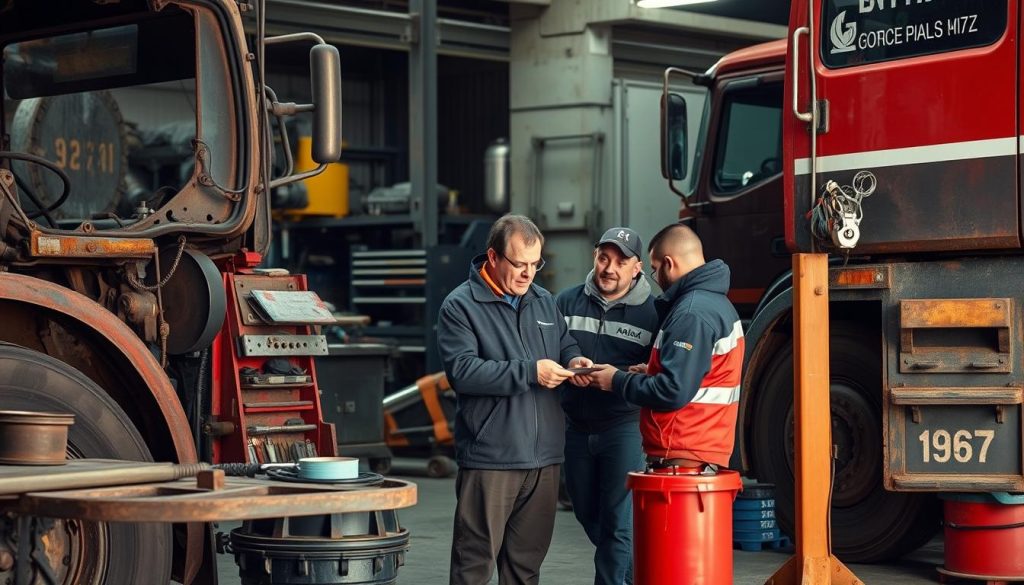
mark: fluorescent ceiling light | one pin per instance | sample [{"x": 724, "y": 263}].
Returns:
[{"x": 668, "y": 3}]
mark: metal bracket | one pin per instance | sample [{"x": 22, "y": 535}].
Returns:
[
  {"x": 268, "y": 345},
  {"x": 411, "y": 32},
  {"x": 822, "y": 116}
]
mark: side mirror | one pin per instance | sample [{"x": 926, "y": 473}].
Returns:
[
  {"x": 325, "y": 69},
  {"x": 673, "y": 137}
]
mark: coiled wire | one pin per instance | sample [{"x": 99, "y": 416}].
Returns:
[{"x": 837, "y": 201}]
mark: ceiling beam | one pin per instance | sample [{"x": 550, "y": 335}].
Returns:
[
  {"x": 347, "y": 25},
  {"x": 571, "y": 18}
]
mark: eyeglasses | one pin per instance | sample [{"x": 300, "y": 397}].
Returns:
[{"x": 537, "y": 266}]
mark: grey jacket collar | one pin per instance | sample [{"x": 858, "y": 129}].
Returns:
[{"x": 637, "y": 294}]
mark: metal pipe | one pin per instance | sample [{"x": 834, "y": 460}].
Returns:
[
  {"x": 290, "y": 38},
  {"x": 42, "y": 480},
  {"x": 271, "y": 429},
  {"x": 403, "y": 398}
]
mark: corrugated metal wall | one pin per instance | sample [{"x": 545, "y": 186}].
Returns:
[{"x": 472, "y": 97}]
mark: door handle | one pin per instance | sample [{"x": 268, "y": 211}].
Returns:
[{"x": 802, "y": 116}]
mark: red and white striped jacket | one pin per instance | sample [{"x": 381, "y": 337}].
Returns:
[{"x": 689, "y": 398}]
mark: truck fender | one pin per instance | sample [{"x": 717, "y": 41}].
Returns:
[
  {"x": 758, "y": 349},
  {"x": 123, "y": 344},
  {"x": 167, "y": 431}
]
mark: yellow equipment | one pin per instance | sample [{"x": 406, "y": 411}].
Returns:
[{"x": 328, "y": 191}]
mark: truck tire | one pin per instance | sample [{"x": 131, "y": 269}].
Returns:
[
  {"x": 869, "y": 524},
  {"x": 93, "y": 552}
]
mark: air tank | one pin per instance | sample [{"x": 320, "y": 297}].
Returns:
[{"x": 496, "y": 176}]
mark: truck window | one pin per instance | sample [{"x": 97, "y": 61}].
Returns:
[
  {"x": 857, "y": 32},
  {"x": 749, "y": 142},
  {"x": 116, "y": 109}
]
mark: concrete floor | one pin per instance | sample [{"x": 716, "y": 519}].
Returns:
[{"x": 569, "y": 561}]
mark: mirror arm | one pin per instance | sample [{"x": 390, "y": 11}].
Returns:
[
  {"x": 299, "y": 177},
  {"x": 290, "y": 38},
  {"x": 286, "y": 146},
  {"x": 672, "y": 186},
  {"x": 289, "y": 108},
  {"x": 691, "y": 74}
]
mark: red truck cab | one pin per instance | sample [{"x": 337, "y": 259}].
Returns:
[{"x": 734, "y": 194}]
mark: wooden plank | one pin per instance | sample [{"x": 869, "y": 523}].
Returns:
[
  {"x": 813, "y": 429},
  {"x": 958, "y": 395},
  {"x": 813, "y": 563},
  {"x": 237, "y": 498},
  {"x": 957, "y": 482},
  {"x": 932, "y": 313}
]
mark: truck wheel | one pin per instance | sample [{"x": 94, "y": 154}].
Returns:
[
  {"x": 868, "y": 523},
  {"x": 87, "y": 552}
]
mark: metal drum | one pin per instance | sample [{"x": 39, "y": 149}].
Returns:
[
  {"x": 33, "y": 438},
  {"x": 984, "y": 536},
  {"x": 356, "y": 547},
  {"x": 496, "y": 181}
]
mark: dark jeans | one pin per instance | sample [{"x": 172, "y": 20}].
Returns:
[
  {"x": 596, "y": 465},
  {"x": 505, "y": 517}
]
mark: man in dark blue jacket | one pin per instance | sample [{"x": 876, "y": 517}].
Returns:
[
  {"x": 612, "y": 317},
  {"x": 503, "y": 343}
]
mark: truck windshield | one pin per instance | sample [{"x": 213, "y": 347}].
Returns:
[
  {"x": 749, "y": 142},
  {"x": 116, "y": 110}
]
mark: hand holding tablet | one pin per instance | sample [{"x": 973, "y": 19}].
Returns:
[{"x": 584, "y": 371}]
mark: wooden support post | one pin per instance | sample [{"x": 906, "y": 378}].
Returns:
[{"x": 813, "y": 563}]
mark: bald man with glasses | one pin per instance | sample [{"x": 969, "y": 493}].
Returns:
[{"x": 506, "y": 350}]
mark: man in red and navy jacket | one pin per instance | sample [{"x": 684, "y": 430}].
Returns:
[{"x": 689, "y": 396}]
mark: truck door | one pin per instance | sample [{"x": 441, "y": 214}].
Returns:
[
  {"x": 923, "y": 94},
  {"x": 738, "y": 201}
]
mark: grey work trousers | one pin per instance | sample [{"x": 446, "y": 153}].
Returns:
[{"x": 503, "y": 517}]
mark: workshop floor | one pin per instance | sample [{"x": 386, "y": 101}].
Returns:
[{"x": 569, "y": 561}]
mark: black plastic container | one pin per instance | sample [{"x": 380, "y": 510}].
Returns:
[{"x": 352, "y": 548}]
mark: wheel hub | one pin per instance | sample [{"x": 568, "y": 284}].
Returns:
[
  {"x": 858, "y": 443},
  {"x": 66, "y": 552}
]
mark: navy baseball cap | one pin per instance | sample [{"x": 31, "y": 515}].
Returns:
[{"x": 626, "y": 239}]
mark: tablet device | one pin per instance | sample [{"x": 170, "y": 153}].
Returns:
[{"x": 584, "y": 371}]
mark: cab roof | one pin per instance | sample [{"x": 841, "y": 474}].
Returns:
[{"x": 764, "y": 54}]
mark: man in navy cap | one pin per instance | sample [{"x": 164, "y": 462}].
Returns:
[{"x": 612, "y": 317}]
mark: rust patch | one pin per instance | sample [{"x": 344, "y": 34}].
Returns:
[
  {"x": 930, "y": 313},
  {"x": 62, "y": 246},
  {"x": 33, "y": 291}
]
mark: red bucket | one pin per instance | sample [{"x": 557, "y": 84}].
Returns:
[
  {"x": 682, "y": 528},
  {"x": 984, "y": 536}
]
